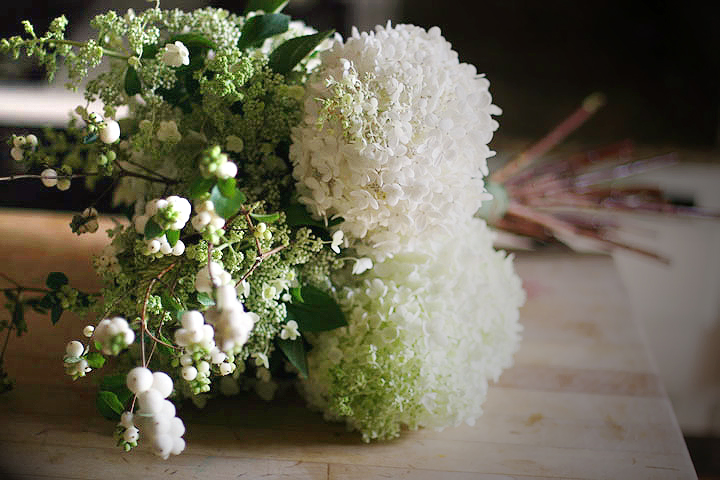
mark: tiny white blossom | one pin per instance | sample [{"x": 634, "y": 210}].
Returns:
[
  {"x": 337, "y": 240},
  {"x": 176, "y": 54},
  {"x": 290, "y": 331},
  {"x": 361, "y": 265},
  {"x": 88, "y": 331}
]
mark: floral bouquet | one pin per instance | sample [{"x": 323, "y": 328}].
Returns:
[{"x": 303, "y": 208}]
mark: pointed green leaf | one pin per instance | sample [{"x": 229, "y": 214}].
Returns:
[
  {"x": 284, "y": 58},
  {"x": 227, "y": 187},
  {"x": 193, "y": 41},
  {"x": 171, "y": 305},
  {"x": 260, "y": 27},
  {"x": 201, "y": 186},
  {"x": 132, "y": 82},
  {"x": 55, "y": 313},
  {"x": 298, "y": 216},
  {"x": 267, "y": 6},
  {"x": 226, "y": 207},
  {"x": 109, "y": 405},
  {"x": 172, "y": 237},
  {"x": 55, "y": 280},
  {"x": 152, "y": 229},
  {"x": 294, "y": 350},
  {"x": 95, "y": 359},
  {"x": 113, "y": 383},
  {"x": 266, "y": 217},
  {"x": 205, "y": 299},
  {"x": 317, "y": 312}
]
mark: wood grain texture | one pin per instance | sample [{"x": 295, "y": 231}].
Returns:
[{"x": 583, "y": 400}]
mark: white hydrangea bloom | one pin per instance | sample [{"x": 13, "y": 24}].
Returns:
[
  {"x": 428, "y": 329},
  {"x": 394, "y": 138}
]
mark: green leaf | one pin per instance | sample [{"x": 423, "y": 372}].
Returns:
[
  {"x": 150, "y": 51},
  {"x": 294, "y": 350},
  {"x": 109, "y": 405},
  {"x": 95, "y": 359},
  {"x": 298, "y": 216},
  {"x": 260, "y": 27},
  {"x": 132, "y": 82},
  {"x": 226, "y": 207},
  {"x": 152, "y": 229},
  {"x": 201, "y": 186},
  {"x": 193, "y": 41},
  {"x": 18, "y": 319},
  {"x": 47, "y": 301},
  {"x": 172, "y": 237},
  {"x": 267, "y": 6},
  {"x": 317, "y": 312},
  {"x": 55, "y": 280},
  {"x": 205, "y": 299},
  {"x": 55, "y": 313},
  {"x": 227, "y": 187},
  {"x": 171, "y": 305},
  {"x": 296, "y": 294},
  {"x": 284, "y": 58},
  {"x": 266, "y": 217},
  {"x": 113, "y": 383}
]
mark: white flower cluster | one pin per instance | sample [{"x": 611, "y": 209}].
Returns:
[
  {"x": 427, "y": 330},
  {"x": 21, "y": 144},
  {"x": 394, "y": 138},
  {"x": 113, "y": 335},
  {"x": 156, "y": 416}
]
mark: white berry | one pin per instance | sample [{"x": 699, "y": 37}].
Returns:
[{"x": 139, "y": 380}]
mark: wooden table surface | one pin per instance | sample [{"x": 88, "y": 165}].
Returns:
[{"x": 582, "y": 401}]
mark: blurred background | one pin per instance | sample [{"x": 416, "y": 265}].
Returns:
[{"x": 656, "y": 62}]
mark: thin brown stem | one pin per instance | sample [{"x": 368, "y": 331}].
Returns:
[
  {"x": 10, "y": 280},
  {"x": 143, "y": 317},
  {"x": 5, "y": 344},
  {"x": 128, "y": 173}
]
